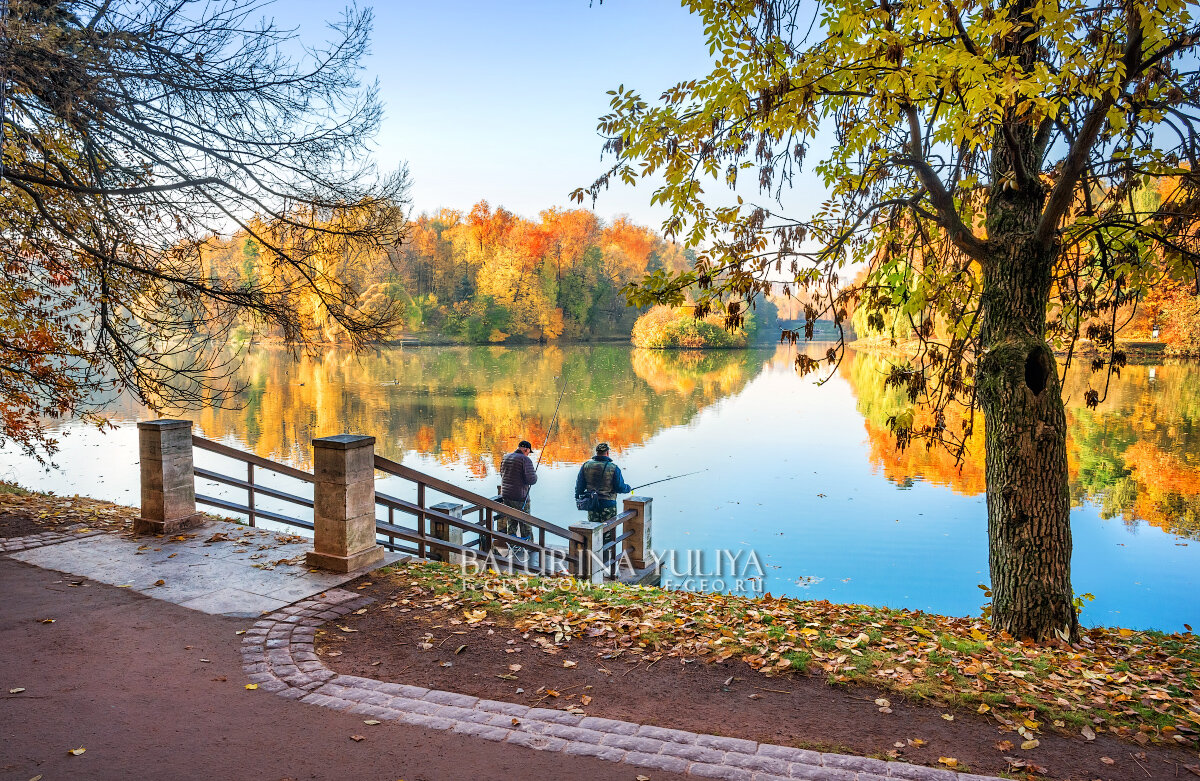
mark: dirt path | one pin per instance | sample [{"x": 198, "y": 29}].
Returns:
[
  {"x": 125, "y": 677},
  {"x": 489, "y": 659}
]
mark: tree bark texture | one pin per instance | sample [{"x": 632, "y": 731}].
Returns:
[
  {"x": 1025, "y": 438},
  {"x": 1029, "y": 520}
]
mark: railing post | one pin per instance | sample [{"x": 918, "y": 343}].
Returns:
[
  {"x": 344, "y": 504},
  {"x": 638, "y": 545},
  {"x": 168, "y": 479},
  {"x": 444, "y": 531},
  {"x": 589, "y": 566}
]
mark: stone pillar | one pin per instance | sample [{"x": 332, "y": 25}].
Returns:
[
  {"x": 589, "y": 567},
  {"x": 444, "y": 531},
  {"x": 638, "y": 546},
  {"x": 344, "y": 504},
  {"x": 168, "y": 480}
]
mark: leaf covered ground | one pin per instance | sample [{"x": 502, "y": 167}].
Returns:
[
  {"x": 49, "y": 511},
  {"x": 1141, "y": 686}
]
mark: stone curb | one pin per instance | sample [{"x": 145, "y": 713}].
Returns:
[
  {"x": 42, "y": 539},
  {"x": 277, "y": 654}
]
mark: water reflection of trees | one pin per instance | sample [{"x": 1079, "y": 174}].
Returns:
[
  {"x": 1136, "y": 456},
  {"x": 472, "y": 404}
]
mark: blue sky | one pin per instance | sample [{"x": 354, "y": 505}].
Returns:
[{"x": 499, "y": 99}]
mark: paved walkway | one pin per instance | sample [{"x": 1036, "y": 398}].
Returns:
[
  {"x": 220, "y": 568},
  {"x": 42, "y": 539},
  {"x": 277, "y": 655}
]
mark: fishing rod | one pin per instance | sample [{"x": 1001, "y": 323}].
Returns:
[
  {"x": 549, "y": 432},
  {"x": 550, "y": 428},
  {"x": 665, "y": 479}
]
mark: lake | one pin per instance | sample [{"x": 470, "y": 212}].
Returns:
[{"x": 804, "y": 476}]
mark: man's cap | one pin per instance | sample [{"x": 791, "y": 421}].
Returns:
[
  {"x": 602, "y": 447},
  {"x": 523, "y": 443}
]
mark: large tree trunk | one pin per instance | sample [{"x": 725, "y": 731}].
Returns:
[
  {"x": 1029, "y": 523},
  {"x": 1025, "y": 438}
]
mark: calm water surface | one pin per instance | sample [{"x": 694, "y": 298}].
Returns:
[{"x": 806, "y": 477}]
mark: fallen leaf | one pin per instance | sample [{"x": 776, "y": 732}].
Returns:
[
  {"x": 252, "y": 686},
  {"x": 47, "y": 620},
  {"x": 1030, "y": 744},
  {"x": 983, "y": 708},
  {"x": 948, "y": 761},
  {"x": 347, "y": 629},
  {"x": 642, "y": 778},
  {"x": 1088, "y": 734},
  {"x": 881, "y": 702},
  {"x": 516, "y": 668},
  {"x": 552, "y": 692},
  {"x": 360, "y": 611},
  {"x": 516, "y": 722},
  {"x": 17, "y": 690},
  {"x": 1004, "y": 745},
  {"x": 459, "y": 650},
  {"x": 585, "y": 700},
  {"x": 220, "y": 679},
  {"x": 948, "y": 716},
  {"x": 76, "y": 751},
  {"x": 372, "y": 722},
  {"x": 160, "y": 582},
  {"x": 1108, "y": 760},
  {"x": 569, "y": 663},
  {"x": 358, "y": 738}
]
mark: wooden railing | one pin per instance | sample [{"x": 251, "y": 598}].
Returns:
[
  {"x": 487, "y": 540},
  {"x": 610, "y": 551},
  {"x": 252, "y": 487},
  {"x": 480, "y": 538}
]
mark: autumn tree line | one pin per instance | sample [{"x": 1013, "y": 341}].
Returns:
[{"x": 484, "y": 276}]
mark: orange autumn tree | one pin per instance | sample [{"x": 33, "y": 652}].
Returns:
[{"x": 492, "y": 276}]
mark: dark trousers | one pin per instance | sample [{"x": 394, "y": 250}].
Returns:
[{"x": 514, "y": 527}]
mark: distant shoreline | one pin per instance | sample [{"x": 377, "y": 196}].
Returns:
[{"x": 1136, "y": 351}]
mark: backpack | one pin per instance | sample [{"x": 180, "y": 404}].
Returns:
[{"x": 590, "y": 498}]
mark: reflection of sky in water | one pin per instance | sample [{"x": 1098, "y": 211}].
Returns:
[{"x": 788, "y": 475}]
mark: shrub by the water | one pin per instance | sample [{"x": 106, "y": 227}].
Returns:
[{"x": 664, "y": 327}]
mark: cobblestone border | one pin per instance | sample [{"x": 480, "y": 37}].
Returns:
[
  {"x": 278, "y": 655},
  {"x": 41, "y": 540}
]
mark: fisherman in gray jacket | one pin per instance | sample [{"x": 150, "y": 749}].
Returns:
[
  {"x": 601, "y": 475},
  {"x": 517, "y": 474}
]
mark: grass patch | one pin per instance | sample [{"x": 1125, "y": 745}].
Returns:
[{"x": 12, "y": 489}]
